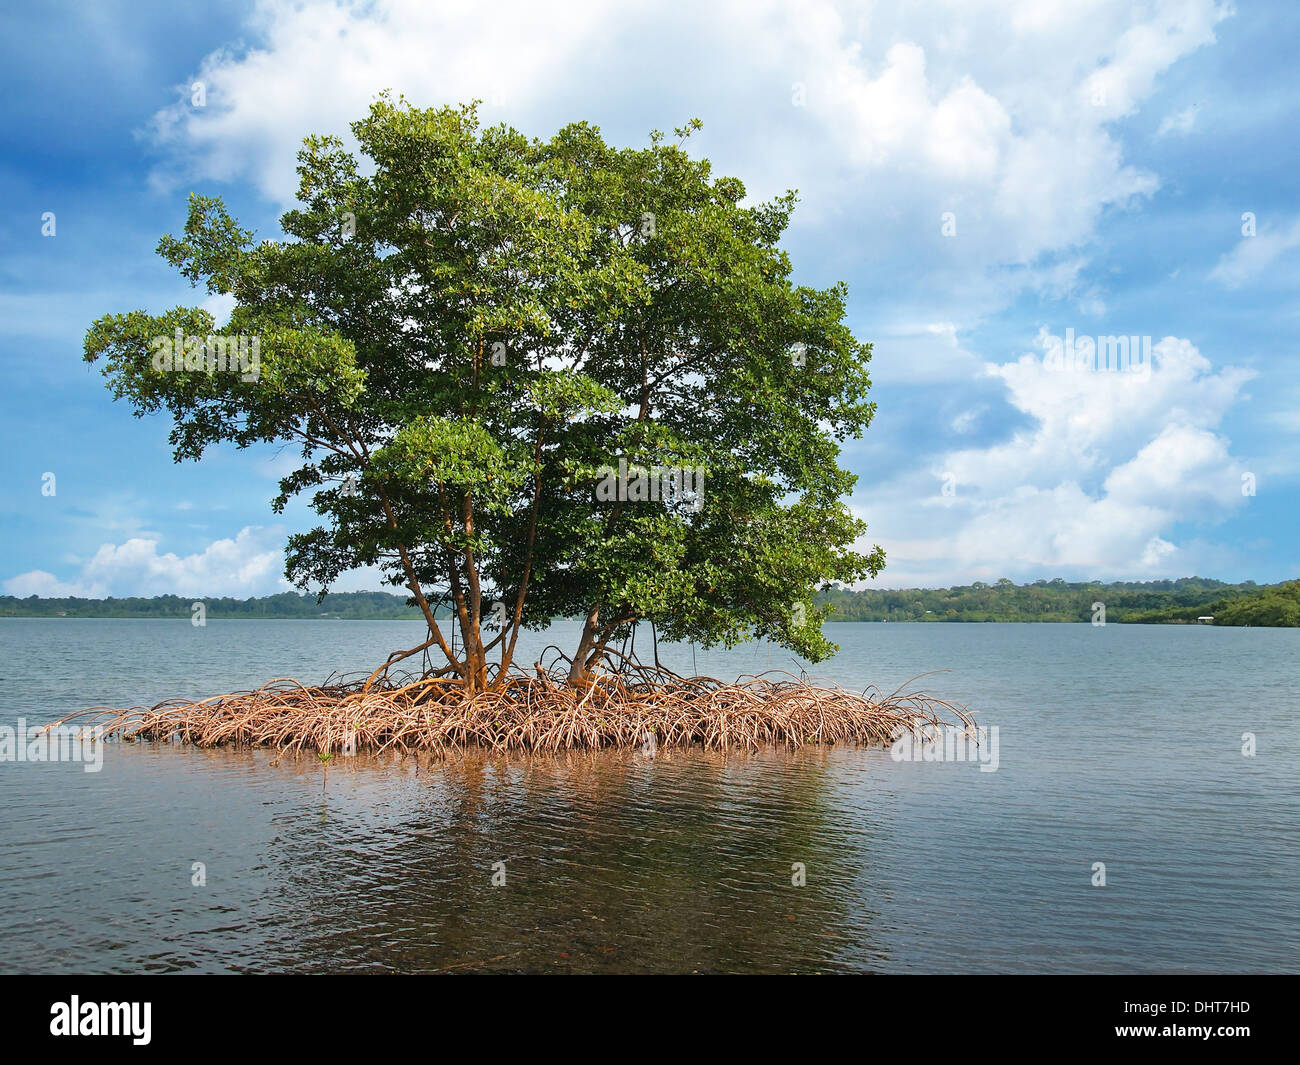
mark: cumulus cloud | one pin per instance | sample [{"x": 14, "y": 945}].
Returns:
[
  {"x": 249, "y": 564},
  {"x": 1110, "y": 465},
  {"x": 1001, "y": 116},
  {"x": 46, "y": 585},
  {"x": 996, "y": 112},
  {"x": 318, "y": 65}
]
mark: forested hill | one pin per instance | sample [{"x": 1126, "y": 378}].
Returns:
[
  {"x": 1182, "y": 600},
  {"x": 353, "y": 605},
  {"x": 1143, "y": 602}
]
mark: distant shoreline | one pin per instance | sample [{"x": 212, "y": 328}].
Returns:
[
  {"x": 1187, "y": 601},
  {"x": 172, "y": 617}
]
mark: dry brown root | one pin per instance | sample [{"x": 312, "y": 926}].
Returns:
[{"x": 537, "y": 712}]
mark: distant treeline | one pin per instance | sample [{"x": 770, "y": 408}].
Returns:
[
  {"x": 1273, "y": 604},
  {"x": 1143, "y": 602},
  {"x": 1147, "y": 602},
  {"x": 358, "y": 606}
]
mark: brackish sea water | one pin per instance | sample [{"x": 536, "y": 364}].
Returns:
[{"x": 1117, "y": 744}]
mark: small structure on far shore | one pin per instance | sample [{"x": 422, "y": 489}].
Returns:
[{"x": 1208, "y": 619}]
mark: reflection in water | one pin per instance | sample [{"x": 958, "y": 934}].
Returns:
[{"x": 611, "y": 861}]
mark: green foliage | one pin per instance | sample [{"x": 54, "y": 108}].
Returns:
[
  {"x": 1278, "y": 606},
  {"x": 1272, "y": 605},
  {"x": 1181, "y": 600},
  {"x": 460, "y": 336}
]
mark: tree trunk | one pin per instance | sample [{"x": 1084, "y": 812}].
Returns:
[
  {"x": 578, "y": 670},
  {"x": 475, "y": 675}
]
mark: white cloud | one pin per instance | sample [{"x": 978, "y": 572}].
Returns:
[
  {"x": 319, "y": 64},
  {"x": 250, "y": 564},
  {"x": 1182, "y": 471},
  {"x": 986, "y": 110},
  {"x": 1253, "y": 255},
  {"x": 1180, "y": 123},
  {"x": 1111, "y": 465},
  {"x": 220, "y": 305},
  {"x": 46, "y": 585},
  {"x": 1004, "y": 125}
]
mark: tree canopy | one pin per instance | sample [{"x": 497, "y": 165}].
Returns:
[{"x": 467, "y": 333}]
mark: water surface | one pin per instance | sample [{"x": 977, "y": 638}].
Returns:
[{"x": 1120, "y": 745}]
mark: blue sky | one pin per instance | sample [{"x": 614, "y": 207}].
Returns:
[{"x": 984, "y": 176}]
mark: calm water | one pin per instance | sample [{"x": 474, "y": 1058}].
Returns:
[{"x": 1119, "y": 745}]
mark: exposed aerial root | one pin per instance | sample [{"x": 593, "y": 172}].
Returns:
[{"x": 534, "y": 712}]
